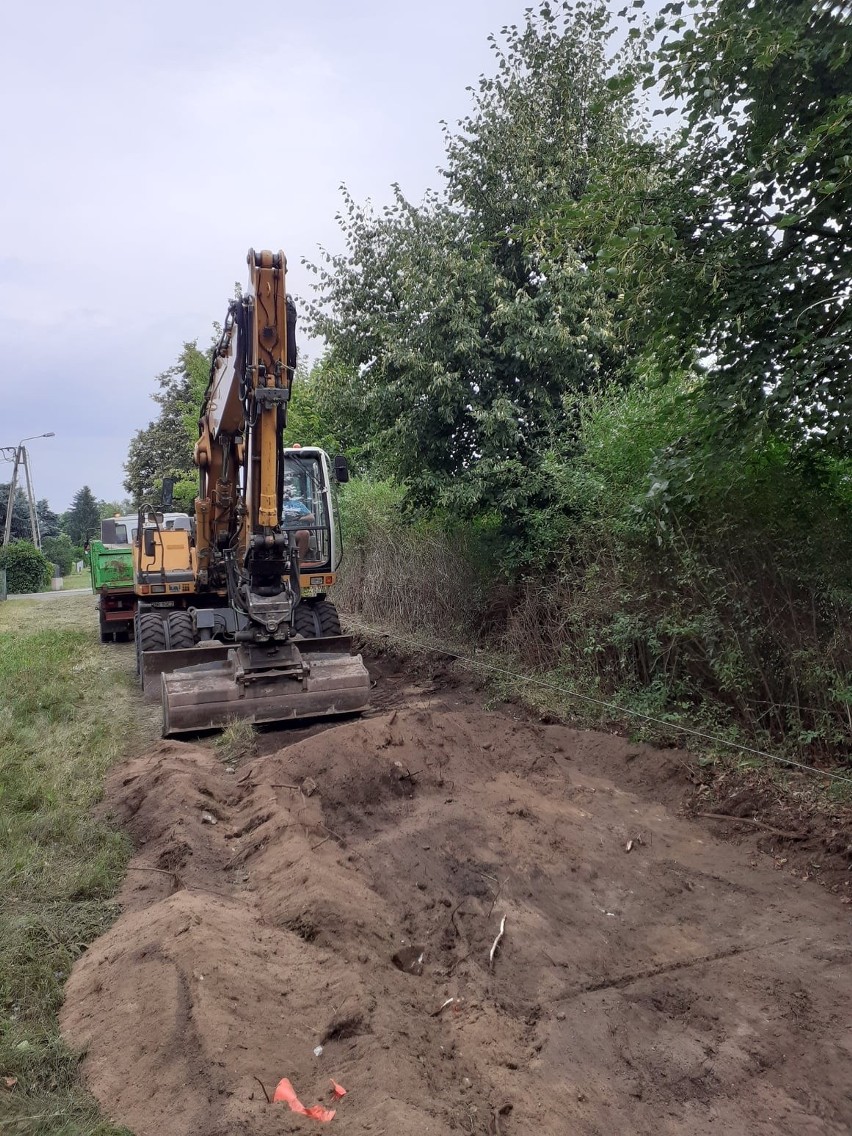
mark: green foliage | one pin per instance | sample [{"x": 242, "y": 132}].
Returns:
[
  {"x": 164, "y": 447},
  {"x": 458, "y": 329},
  {"x": 27, "y": 570},
  {"x": 109, "y": 509},
  {"x": 21, "y": 526},
  {"x": 699, "y": 586},
  {"x": 49, "y": 523},
  {"x": 429, "y": 575},
  {"x": 370, "y": 508},
  {"x": 719, "y": 601},
  {"x": 759, "y": 202},
  {"x": 82, "y": 522},
  {"x": 312, "y": 412},
  {"x": 60, "y": 551}
]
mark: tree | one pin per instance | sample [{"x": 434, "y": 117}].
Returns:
[
  {"x": 460, "y": 333},
  {"x": 83, "y": 520},
  {"x": 60, "y": 551},
  {"x": 760, "y": 282},
  {"x": 164, "y": 447},
  {"x": 307, "y": 420},
  {"x": 21, "y": 526},
  {"x": 48, "y": 521}
]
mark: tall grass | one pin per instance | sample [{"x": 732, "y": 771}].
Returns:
[
  {"x": 67, "y": 708},
  {"x": 407, "y": 573}
]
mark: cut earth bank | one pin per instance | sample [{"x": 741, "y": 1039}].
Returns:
[{"x": 651, "y": 978}]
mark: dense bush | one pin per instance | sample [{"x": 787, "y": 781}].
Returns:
[
  {"x": 27, "y": 570},
  {"x": 693, "y": 586},
  {"x": 60, "y": 551},
  {"x": 699, "y": 591}
]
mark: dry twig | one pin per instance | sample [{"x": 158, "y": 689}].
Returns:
[
  {"x": 441, "y": 1008},
  {"x": 265, "y": 1093}
]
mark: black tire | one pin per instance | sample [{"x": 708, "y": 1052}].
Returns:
[
  {"x": 150, "y": 636},
  {"x": 316, "y": 619},
  {"x": 328, "y": 618},
  {"x": 151, "y": 632},
  {"x": 181, "y": 631},
  {"x": 304, "y": 621}
]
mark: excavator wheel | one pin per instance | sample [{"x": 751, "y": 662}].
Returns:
[
  {"x": 150, "y": 635},
  {"x": 316, "y": 619},
  {"x": 181, "y": 631}
]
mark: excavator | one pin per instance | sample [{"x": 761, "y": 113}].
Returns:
[{"x": 233, "y": 618}]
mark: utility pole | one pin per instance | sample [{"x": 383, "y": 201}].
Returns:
[
  {"x": 36, "y": 531},
  {"x": 13, "y": 488},
  {"x": 19, "y": 457}
]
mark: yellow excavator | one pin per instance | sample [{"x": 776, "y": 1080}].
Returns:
[{"x": 233, "y": 618}]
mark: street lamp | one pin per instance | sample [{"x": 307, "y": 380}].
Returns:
[{"x": 21, "y": 458}]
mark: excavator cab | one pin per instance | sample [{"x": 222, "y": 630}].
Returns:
[{"x": 307, "y": 511}]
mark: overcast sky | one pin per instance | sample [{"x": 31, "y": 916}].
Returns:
[{"x": 147, "y": 145}]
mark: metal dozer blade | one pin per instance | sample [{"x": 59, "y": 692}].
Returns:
[{"x": 303, "y": 678}]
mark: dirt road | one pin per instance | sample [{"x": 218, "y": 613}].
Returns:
[{"x": 650, "y": 978}]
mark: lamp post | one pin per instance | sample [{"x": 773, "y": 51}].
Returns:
[{"x": 20, "y": 457}]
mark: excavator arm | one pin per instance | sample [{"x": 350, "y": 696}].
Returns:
[{"x": 241, "y": 545}]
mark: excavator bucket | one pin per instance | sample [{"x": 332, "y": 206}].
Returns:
[
  {"x": 155, "y": 663},
  {"x": 311, "y": 678}
]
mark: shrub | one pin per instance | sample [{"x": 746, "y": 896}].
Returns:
[
  {"x": 703, "y": 588},
  {"x": 60, "y": 551},
  {"x": 27, "y": 570}
]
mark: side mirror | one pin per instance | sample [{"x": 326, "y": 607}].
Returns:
[
  {"x": 150, "y": 547},
  {"x": 341, "y": 469},
  {"x": 168, "y": 492}
]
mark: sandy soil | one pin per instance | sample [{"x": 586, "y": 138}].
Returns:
[{"x": 651, "y": 978}]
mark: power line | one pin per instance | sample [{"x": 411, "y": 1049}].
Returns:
[{"x": 475, "y": 663}]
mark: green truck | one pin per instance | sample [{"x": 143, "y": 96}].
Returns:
[{"x": 111, "y": 566}]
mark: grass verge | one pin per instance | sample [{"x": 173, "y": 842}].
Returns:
[
  {"x": 67, "y": 707},
  {"x": 77, "y": 580}
]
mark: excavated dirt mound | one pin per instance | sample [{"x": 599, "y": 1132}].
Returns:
[{"x": 311, "y": 915}]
